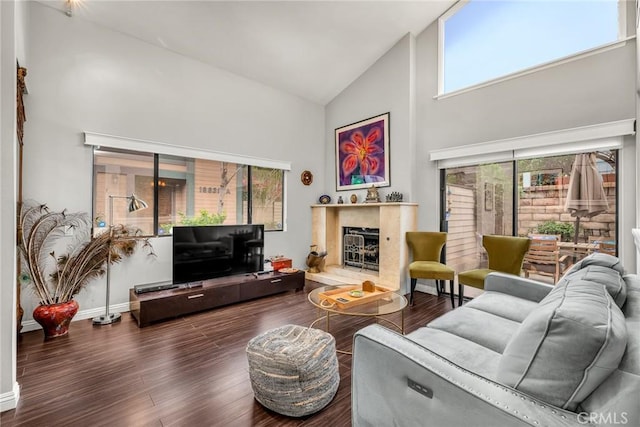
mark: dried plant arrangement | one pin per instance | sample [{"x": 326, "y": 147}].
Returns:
[{"x": 56, "y": 275}]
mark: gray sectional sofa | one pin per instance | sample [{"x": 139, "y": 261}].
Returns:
[{"x": 522, "y": 353}]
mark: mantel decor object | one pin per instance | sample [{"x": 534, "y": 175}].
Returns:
[
  {"x": 324, "y": 199},
  {"x": 362, "y": 154},
  {"x": 372, "y": 195},
  {"x": 394, "y": 197}
]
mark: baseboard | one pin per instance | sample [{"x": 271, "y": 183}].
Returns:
[
  {"x": 429, "y": 288},
  {"x": 32, "y": 325},
  {"x": 9, "y": 400}
]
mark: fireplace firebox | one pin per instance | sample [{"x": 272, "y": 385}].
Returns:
[{"x": 361, "y": 248}]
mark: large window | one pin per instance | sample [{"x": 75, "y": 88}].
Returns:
[
  {"x": 526, "y": 197},
  {"x": 116, "y": 175},
  {"x": 265, "y": 197},
  {"x": 483, "y": 40},
  {"x": 184, "y": 191}
]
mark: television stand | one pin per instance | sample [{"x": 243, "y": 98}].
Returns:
[{"x": 149, "y": 307}]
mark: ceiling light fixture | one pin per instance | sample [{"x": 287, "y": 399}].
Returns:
[{"x": 68, "y": 4}]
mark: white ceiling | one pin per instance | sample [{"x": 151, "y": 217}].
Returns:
[{"x": 313, "y": 49}]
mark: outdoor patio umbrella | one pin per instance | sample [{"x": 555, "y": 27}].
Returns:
[{"x": 585, "y": 197}]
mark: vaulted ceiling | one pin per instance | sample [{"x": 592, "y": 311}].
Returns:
[{"x": 313, "y": 49}]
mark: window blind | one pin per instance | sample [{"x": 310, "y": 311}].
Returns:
[
  {"x": 123, "y": 143},
  {"x": 575, "y": 140}
]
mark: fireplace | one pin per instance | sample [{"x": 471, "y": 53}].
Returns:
[
  {"x": 384, "y": 262},
  {"x": 361, "y": 247}
]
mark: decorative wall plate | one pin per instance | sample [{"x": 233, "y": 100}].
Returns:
[
  {"x": 306, "y": 177},
  {"x": 324, "y": 199}
]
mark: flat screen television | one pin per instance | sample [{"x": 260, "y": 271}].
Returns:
[{"x": 209, "y": 251}]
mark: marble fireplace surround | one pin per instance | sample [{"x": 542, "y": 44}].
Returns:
[{"x": 392, "y": 219}]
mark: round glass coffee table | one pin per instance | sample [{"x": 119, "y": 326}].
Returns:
[{"x": 390, "y": 304}]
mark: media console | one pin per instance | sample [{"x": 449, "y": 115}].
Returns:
[{"x": 151, "y": 307}]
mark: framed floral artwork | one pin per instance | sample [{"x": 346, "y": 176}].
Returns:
[{"x": 362, "y": 154}]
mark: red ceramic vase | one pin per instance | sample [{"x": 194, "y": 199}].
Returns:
[{"x": 55, "y": 318}]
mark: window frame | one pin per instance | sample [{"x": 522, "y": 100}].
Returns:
[{"x": 623, "y": 36}]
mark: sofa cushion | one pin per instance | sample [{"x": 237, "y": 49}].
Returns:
[
  {"x": 482, "y": 328},
  {"x": 464, "y": 353},
  {"x": 503, "y": 305},
  {"x": 567, "y": 346},
  {"x": 596, "y": 258},
  {"x": 600, "y": 268}
]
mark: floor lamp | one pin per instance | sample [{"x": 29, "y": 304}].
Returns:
[{"x": 135, "y": 204}]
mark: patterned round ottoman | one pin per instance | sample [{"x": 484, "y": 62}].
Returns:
[{"x": 293, "y": 369}]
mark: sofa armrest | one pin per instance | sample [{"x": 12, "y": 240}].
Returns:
[
  {"x": 517, "y": 286},
  {"x": 396, "y": 381}
]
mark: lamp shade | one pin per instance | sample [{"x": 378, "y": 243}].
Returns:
[{"x": 136, "y": 204}]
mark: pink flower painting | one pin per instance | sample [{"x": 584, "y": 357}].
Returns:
[{"x": 362, "y": 153}]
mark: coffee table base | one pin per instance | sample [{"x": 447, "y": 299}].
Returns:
[{"x": 400, "y": 327}]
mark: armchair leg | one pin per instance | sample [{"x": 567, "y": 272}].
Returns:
[
  {"x": 460, "y": 294},
  {"x": 453, "y": 305},
  {"x": 439, "y": 287},
  {"x": 414, "y": 282}
]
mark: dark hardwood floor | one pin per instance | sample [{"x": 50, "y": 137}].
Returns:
[{"x": 190, "y": 371}]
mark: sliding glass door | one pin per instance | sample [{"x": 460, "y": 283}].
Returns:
[
  {"x": 573, "y": 197},
  {"x": 527, "y": 197},
  {"x": 478, "y": 201}
]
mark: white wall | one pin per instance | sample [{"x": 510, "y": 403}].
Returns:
[
  {"x": 637, "y": 142},
  {"x": 83, "y": 77},
  {"x": 21, "y": 23},
  {"x": 387, "y": 86},
  {"x": 9, "y": 390}
]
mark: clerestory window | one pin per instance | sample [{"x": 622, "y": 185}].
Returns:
[{"x": 482, "y": 40}]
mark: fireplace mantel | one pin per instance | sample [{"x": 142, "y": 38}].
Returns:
[{"x": 392, "y": 219}]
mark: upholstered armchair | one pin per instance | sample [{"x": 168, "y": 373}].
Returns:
[
  {"x": 426, "y": 249},
  {"x": 505, "y": 254}
]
